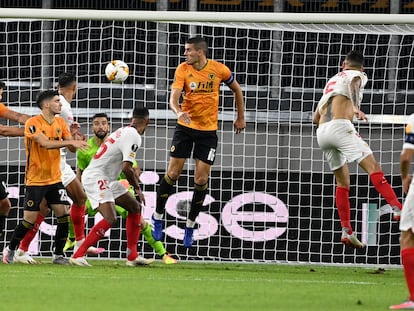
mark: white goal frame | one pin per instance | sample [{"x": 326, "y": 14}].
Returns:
[{"x": 293, "y": 128}]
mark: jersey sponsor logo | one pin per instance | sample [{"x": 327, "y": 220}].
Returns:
[
  {"x": 202, "y": 87},
  {"x": 193, "y": 86}
]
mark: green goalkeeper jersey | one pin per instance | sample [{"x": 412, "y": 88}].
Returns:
[{"x": 84, "y": 157}]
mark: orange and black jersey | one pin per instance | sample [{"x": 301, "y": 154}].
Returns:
[
  {"x": 201, "y": 92},
  {"x": 43, "y": 165}
]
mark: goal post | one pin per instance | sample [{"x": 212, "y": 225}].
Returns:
[{"x": 271, "y": 194}]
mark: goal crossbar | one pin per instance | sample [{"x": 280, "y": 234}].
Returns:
[{"x": 191, "y": 16}]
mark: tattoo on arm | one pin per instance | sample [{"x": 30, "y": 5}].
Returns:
[{"x": 354, "y": 88}]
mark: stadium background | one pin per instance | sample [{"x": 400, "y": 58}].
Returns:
[{"x": 298, "y": 243}]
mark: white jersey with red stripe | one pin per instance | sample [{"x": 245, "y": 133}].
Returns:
[
  {"x": 339, "y": 85},
  {"x": 120, "y": 146},
  {"x": 67, "y": 114}
]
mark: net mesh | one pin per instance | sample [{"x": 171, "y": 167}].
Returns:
[{"x": 271, "y": 194}]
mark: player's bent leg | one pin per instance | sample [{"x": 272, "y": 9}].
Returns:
[
  {"x": 92, "y": 250},
  {"x": 61, "y": 235},
  {"x": 350, "y": 239},
  {"x": 157, "y": 246},
  {"x": 96, "y": 233},
  {"x": 157, "y": 225},
  {"x": 384, "y": 188},
  {"x": 164, "y": 191},
  {"x": 29, "y": 236},
  {"x": 188, "y": 237}
]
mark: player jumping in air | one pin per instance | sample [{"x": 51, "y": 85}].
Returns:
[
  {"x": 341, "y": 143},
  {"x": 198, "y": 80}
]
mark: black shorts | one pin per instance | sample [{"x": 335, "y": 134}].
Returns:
[
  {"x": 203, "y": 142},
  {"x": 3, "y": 189},
  {"x": 54, "y": 194}
]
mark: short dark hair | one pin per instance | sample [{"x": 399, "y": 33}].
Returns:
[
  {"x": 199, "y": 43},
  {"x": 2, "y": 85},
  {"x": 66, "y": 78},
  {"x": 355, "y": 58},
  {"x": 45, "y": 95},
  {"x": 140, "y": 113},
  {"x": 100, "y": 115}
]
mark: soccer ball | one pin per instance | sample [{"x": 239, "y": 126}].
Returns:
[{"x": 117, "y": 71}]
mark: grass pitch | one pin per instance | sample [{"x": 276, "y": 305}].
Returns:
[{"x": 110, "y": 285}]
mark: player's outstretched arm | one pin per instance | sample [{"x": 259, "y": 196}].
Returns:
[
  {"x": 11, "y": 131},
  {"x": 44, "y": 142},
  {"x": 133, "y": 179},
  {"x": 240, "y": 123},
  {"x": 16, "y": 116}
]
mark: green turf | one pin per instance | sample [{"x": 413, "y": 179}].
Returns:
[{"x": 110, "y": 285}]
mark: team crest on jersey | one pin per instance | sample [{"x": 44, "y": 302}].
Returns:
[
  {"x": 30, "y": 203},
  {"x": 211, "y": 76},
  {"x": 134, "y": 148},
  {"x": 172, "y": 148},
  {"x": 32, "y": 129},
  {"x": 58, "y": 131}
]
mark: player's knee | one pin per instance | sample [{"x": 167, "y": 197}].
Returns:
[
  {"x": 201, "y": 180},
  {"x": 79, "y": 199},
  {"x": 407, "y": 239},
  {"x": 136, "y": 208},
  {"x": 172, "y": 176},
  {"x": 111, "y": 219}
]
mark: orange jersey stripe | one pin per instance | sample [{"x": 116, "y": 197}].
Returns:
[
  {"x": 201, "y": 93},
  {"x": 43, "y": 165}
]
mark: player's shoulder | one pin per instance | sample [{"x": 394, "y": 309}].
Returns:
[
  {"x": 217, "y": 65},
  {"x": 126, "y": 132},
  {"x": 356, "y": 73},
  {"x": 34, "y": 119},
  {"x": 183, "y": 67}
]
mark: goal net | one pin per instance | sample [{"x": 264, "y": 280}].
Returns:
[{"x": 271, "y": 194}]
